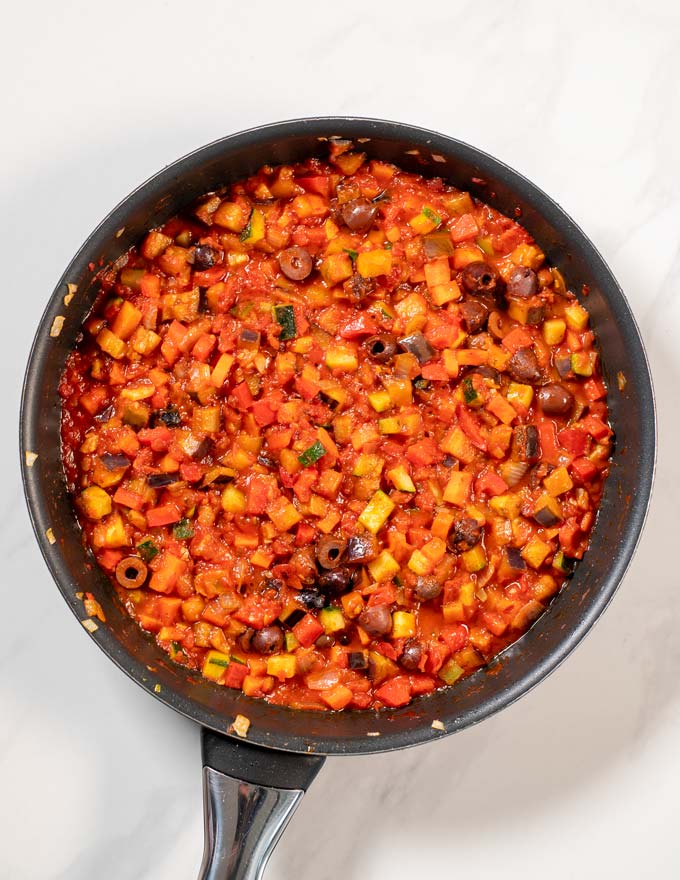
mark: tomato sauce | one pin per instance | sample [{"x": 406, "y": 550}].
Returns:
[{"x": 337, "y": 433}]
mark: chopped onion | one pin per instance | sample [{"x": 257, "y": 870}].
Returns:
[{"x": 320, "y": 681}]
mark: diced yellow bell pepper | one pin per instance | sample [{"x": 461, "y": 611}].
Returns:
[
  {"x": 368, "y": 465},
  {"x": 558, "y": 482},
  {"x": 233, "y": 500},
  {"x": 576, "y": 317},
  {"x": 95, "y": 503},
  {"x": 444, "y": 293},
  {"x": 535, "y": 552},
  {"x": 221, "y": 370},
  {"x": 380, "y": 400},
  {"x": 281, "y": 666},
  {"x": 110, "y": 343},
  {"x": 554, "y": 330},
  {"x": 419, "y": 563},
  {"x": 527, "y": 255},
  {"x": 283, "y": 514},
  {"x": 336, "y": 268},
  {"x": 383, "y": 567},
  {"x": 370, "y": 264},
  {"x": 376, "y": 512},
  {"x": 458, "y": 488},
  {"x": 403, "y": 625},
  {"x": 342, "y": 357},
  {"x": 206, "y": 419}
]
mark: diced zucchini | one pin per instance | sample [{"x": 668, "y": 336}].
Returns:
[
  {"x": 474, "y": 559},
  {"x": 401, "y": 479},
  {"x": 563, "y": 563},
  {"x": 451, "y": 671},
  {"x": 183, "y": 529},
  {"x": 583, "y": 363},
  {"x": 214, "y": 665},
  {"x": 342, "y": 357},
  {"x": 470, "y": 394},
  {"x": 312, "y": 454},
  {"x": 332, "y": 620},
  {"x": 147, "y": 550},
  {"x": 254, "y": 228},
  {"x": 370, "y": 264}
]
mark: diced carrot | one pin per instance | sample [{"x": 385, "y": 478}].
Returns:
[
  {"x": 464, "y": 228},
  {"x": 490, "y": 483},
  {"x": 234, "y": 675},
  {"x": 516, "y": 339},
  {"x": 164, "y": 515},
  {"x": 583, "y": 470},
  {"x": 128, "y": 499},
  {"x": 307, "y": 630}
]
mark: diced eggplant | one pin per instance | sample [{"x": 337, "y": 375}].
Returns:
[
  {"x": 114, "y": 462},
  {"x": 525, "y": 443},
  {"x": 418, "y": 346},
  {"x": 361, "y": 548},
  {"x": 546, "y": 517},
  {"x": 329, "y": 401},
  {"x": 170, "y": 417},
  {"x": 563, "y": 366},
  {"x": 294, "y": 617},
  {"x": 158, "y": 481},
  {"x": 515, "y": 560},
  {"x": 358, "y": 659},
  {"x": 312, "y": 599}
]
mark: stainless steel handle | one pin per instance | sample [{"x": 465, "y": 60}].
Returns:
[
  {"x": 249, "y": 796},
  {"x": 243, "y": 823}
]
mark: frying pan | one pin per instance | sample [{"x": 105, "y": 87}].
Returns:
[{"x": 252, "y": 787}]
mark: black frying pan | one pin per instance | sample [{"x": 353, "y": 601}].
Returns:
[{"x": 252, "y": 788}]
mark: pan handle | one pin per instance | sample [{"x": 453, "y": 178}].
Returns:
[{"x": 249, "y": 796}]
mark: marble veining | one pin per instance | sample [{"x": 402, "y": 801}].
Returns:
[{"x": 578, "y": 779}]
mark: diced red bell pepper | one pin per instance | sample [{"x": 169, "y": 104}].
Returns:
[
  {"x": 257, "y": 611},
  {"x": 424, "y": 452},
  {"x": 211, "y": 276},
  {"x": 387, "y": 650},
  {"x": 464, "y": 228},
  {"x": 128, "y": 499},
  {"x": 490, "y": 483},
  {"x": 109, "y": 559},
  {"x": 94, "y": 400},
  {"x": 263, "y": 413},
  {"x": 216, "y": 613},
  {"x": 471, "y": 427},
  {"x": 234, "y": 675},
  {"x": 157, "y": 438},
  {"x": 573, "y": 440},
  {"x": 421, "y": 683},
  {"x": 306, "y": 388},
  {"x": 594, "y": 389},
  {"x": 317, "y": 183},
  {"x": 305, "y": 534},
  {"x": 384, "y": 595},
  {"x": 454, "y": 636},
  {"x": 436, "y": 655},
  {"x": 395, "y": 692},
  {"x": 163, "y": 515},
  {"x": 583, "y": 470},
  {"x": 362, "y": 325},
  {"x": 191, "y": 471},
  {"x": 568, "y": 538},
  {"x": 434, "y": 373},
  {"x": 258, "y": 494},
  {"x": 516, "y": 339},
  {"x": 242, "y": 397},
  {"x": 549, "y": 449},
  {"x": 303, "y": 484},
  {"x": 203, "y": 347},
  {"x": 596, "y": 428},
  {"x": 307, "y": 631}
]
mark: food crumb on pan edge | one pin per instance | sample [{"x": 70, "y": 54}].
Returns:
[
  {"x": 240, "y": 726},
  {"x": 156, "y": 689},
  {"x": 57, "y": 325},
  {"x": 438, "y": 725},
  {"x": 89, "y": 625},
  {"x": 30, "y": 458},
  {"x": 49, "y": 534}
]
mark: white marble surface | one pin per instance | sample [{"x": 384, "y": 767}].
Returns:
[{"x": 579, "y": 779}]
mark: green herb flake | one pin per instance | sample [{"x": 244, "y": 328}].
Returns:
[
  {"x": 147, "y": 550},
  {"x": 183, "y": 530},
  {"x": 352, "y": 254},
  {"x": 397, "y": 581},
  {"x": 176, "y": 647},
  {"x": 285, "y": 316},
  {"x": 312, "y": 454},
  {"x": 469, "y": 391},
  {"x": 430, "y": 214},
  {"x": 247, "y": 232},
  {"x": 387, "y": 246}
]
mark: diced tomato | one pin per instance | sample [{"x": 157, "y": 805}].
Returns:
[
  {"x": 549, "y": 449},
  {"x": 306, "y": 389},
  {"x": 191, "y": 471},
  {"x": 395, "y": 692},
  {"x": 387, "y": 650},
  {"x": 491, "y": 483},
  {"x": 596, "y": 428},
  {"x": 305, "y": 534},
  {"x": 109, "y": 559},
  {"x": 464, "y": 228},
  {"x": 516, "y": 339},
  {"x": 583, "y": 470},
  {"x": 361, "y": 325},
  {"x": 424, "y": 452},
  {"x": 203, "y": 347},
  {"x": 157, "y": 438},
  {"x": 319, "y": 184},
  {"x": 568, "y": 538},
  {"x": 128, "y": 499},
  {"x": 258, "y": 494},
  {"x": 454, "y": 636},
  {"x": 434, "y": 373},
  {"x": 263, "y": 413},
  {"x": 234, "y": 675},
  {"x": 573, "y": 440},
  {"x": 594, "y": 389},
  {"x": 421, "y": 683},
  {"x": 307, "y": 630},
  {"x": 243, "y": 399},
  {"x": 436, "y": 655},
  {"x": 258, "y": 611}
]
